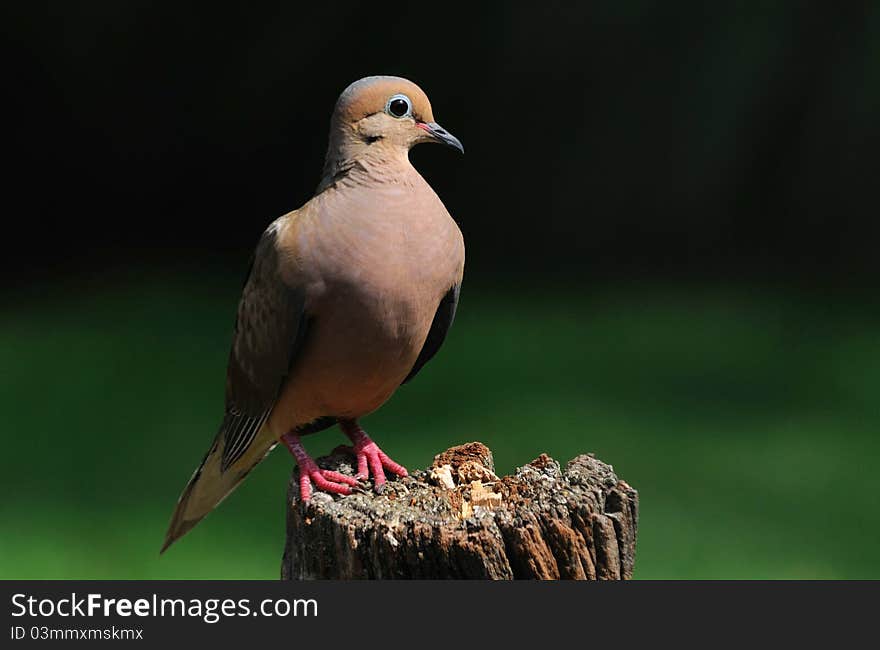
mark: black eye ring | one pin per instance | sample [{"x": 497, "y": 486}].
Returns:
[{"x": 399, "y": 106}]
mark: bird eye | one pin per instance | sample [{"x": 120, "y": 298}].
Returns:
[{"x": 399, "y": 106}]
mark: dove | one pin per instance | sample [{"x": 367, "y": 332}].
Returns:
[{"x": 347, "y": 299}]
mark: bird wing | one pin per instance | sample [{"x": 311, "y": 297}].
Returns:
[
  {"x": 269, "y": 331},
  {"x": 443, "y": 318}
]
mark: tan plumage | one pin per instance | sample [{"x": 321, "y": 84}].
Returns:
[{"x": 347, "y": 297}]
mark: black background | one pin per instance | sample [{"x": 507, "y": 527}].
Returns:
[{"x": 603, "y": 140}]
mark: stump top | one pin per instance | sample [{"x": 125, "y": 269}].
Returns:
[{"x": 458, "y": 519}]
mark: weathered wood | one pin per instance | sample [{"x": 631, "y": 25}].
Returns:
[{"x": 458, "y": 520}]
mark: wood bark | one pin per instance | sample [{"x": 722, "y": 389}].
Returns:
[{"x": 456, "y": 519}]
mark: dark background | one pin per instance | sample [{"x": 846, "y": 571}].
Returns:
[
  {"x": 671, "y": 226},
  {"x": 634, "y": 138}
]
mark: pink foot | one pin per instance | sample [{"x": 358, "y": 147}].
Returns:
[
  {"x": 325, "y": 479},
  {"x": 370, "y": 459}
]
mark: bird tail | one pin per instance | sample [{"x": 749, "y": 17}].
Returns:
[{"x": 210, "y": 484}]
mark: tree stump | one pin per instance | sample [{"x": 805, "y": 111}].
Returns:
[{"x": 458, "y": 520}]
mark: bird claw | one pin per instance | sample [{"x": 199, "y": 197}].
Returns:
[
  {"x": 327, "y": 481},
  {"x": 371, "y": 460}
]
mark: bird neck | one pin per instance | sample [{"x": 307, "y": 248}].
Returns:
[{"x": 361, "y": 162}]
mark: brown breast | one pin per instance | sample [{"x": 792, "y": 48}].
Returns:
[{"x": 376, "y": 258}]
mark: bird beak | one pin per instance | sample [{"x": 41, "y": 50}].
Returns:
[{"x": 441, "y": 135}]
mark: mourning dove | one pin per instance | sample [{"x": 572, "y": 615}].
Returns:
[{"x": 347, "y": 298}]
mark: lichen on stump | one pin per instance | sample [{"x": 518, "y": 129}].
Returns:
[{"x": 457, "y": 519}]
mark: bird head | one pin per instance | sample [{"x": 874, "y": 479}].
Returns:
[{"x": 388, "y": 113}]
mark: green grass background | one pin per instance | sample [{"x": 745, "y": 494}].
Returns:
[{"x": 747, "y": 421}]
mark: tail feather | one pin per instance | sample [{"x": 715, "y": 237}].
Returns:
[{"x": 210, "y": 484}]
